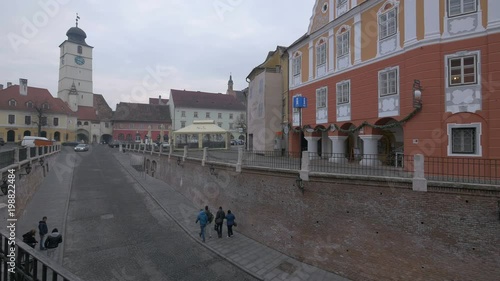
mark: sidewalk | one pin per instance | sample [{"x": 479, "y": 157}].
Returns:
[{"x": 257, "y": 259}]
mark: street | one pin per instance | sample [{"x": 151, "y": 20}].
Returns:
[{"x": 115, "y": 231}]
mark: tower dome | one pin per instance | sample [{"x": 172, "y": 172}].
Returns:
[{"x": 76, "y": 35}]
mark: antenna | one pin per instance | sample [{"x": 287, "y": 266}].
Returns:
[{"x": 77, "y": 18}]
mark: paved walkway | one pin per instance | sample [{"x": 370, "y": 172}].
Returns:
[{"x": 251, "y": 256}]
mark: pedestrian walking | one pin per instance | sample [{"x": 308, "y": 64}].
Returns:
[
  {"x": 43, "y": 230},
  {"x": 203, "y": 219},
  {"x": 219, "y": 219},
  {"x": 210, "y": 217},
  {"x": 29, "y": 238},
  {"x": 52, "y": 241},
  {"x": 230, "y": 222}
]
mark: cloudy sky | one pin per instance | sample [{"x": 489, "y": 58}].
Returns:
[{"x": 192, "y": 45}]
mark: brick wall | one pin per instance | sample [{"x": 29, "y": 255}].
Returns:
[{"x": 361, "y": 230}]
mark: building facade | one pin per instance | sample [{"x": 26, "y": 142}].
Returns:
[
  {"x": 266, "y": 103},
  {"x": 23, "y": 108},
  {"x": 226, "y": 110},
  {"x": 386, "y": 76},
  {"x": 142, "y": 123}
]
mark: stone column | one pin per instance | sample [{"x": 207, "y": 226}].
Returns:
[
  {"x": 338, "y": 149},
  {"x": 370, "y": 157},
  {"x": 312, "y": 146},
  {"x": 419, "y": 181},
  {"x": 204, "y": 159}
]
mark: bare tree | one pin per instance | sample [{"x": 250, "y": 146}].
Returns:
[
  {"x": 41, "y": 118},
  {"x": 240, "y": 122}
]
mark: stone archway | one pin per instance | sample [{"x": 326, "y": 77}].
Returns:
[
  {"x": 57, "y": 136},
  {"x": 27, "y": 133},
  {"x": 391, "y": 144},
  {"x": 82, "y": 136},
  {"x": 43, "y": 134}
]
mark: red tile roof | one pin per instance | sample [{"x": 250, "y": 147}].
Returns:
[
  {"x": 205, "y": 100},
  {"x": 37, "y": 96},
  {"x": 141, "y": 112},
  {"x": 104, "y": 112},
  {"x": 87, "y": 113}
]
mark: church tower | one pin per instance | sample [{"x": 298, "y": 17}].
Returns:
[{"x": 75, "y": 70}]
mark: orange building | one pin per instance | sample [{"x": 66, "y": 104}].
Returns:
[{"x": 362, "y": 63}]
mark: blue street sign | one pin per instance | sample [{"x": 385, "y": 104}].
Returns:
[{"x": 299, "y": 102}]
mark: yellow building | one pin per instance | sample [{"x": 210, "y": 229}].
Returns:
[{"x": 20, "y": 108}]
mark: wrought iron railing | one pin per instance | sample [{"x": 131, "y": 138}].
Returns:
[
  {"x": 463, "y": 170},
  {"x": 272, "y": 159},
  {"x": 19, "y": 262}
]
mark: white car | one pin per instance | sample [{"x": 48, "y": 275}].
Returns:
[{"x": 82, "y": 147}]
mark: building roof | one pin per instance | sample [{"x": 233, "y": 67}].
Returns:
[
  {"x": 201, "y": 127},
  {"x": 141, "y": 112},
  {"x": 262, "y": 66},
  {"x": 205, "y": 100},
  {"x": 104, "y": 112},
  {"x": 87, "y": 113},
  {"x": 38, "y": 96},
  {"x": 156, "y": 101},
  {"x": 76, "y": 35}
]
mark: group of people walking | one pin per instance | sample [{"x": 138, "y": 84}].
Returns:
[
  {"x": 48, "y": 242},
  {"x": 205, "y": 217}
]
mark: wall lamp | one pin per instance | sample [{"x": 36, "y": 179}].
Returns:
[
  {"x": 417, "y": 94},
  {"x": 212, "y": 170},
  {"x": 300, "y": 184},
  {"x": 27, "y": 169}
]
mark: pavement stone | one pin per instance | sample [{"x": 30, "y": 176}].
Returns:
[{"x": 240, "y": 250}]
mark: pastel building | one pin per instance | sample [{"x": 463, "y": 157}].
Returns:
[{"x": 411, "y": 77}]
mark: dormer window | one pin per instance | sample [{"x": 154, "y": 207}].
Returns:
[
  {"x": 29, "y": 104},
  {"x": 45, "y": 106},
  {"x": 80, "y": 49},
  {"x": 12, "y": 102}
]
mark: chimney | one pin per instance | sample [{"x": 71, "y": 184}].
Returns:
[
  {"x": 1, "y": 86},
  {"x": 23, "y": 87},
  {"x": 159, "y": 100},
  {"x": 9, "y": 84}
]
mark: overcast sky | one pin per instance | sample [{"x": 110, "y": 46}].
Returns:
[{"x": 176, "y": 44}]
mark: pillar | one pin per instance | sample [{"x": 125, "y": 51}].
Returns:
[
  {"x": 312, "y": 146},
  {"x": 338, "y": 149},
  {"x": 370, "y": 153}
]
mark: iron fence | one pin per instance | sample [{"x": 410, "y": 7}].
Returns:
[
  {"x": 23, "y": 154},
  {"x": 6, "y": 158},
  {"x": 366, "y": 165},
  {"x": 272, "y": 159},
  {"x": 29, "y": 264},
  {"x": 224, "y": 156},
  {"x": 463, "y": 170}
]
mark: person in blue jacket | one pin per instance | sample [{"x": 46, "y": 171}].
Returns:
[
  {"x": 230, "y": 222},
  {"x": 203, "y": 219}
]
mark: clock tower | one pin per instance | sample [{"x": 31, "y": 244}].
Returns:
[{"x": 75, "y": 70}]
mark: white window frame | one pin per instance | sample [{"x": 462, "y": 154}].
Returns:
[
  {"x": 343, "y": 92},
  {"x": 343, "y": 47},
  {"x": 297, "y": 65},
  {"x": 183, "y": 113},
  {"x": 321, "y": 53},
  {"x": 384, "y": 24},
  {"x": 12, "y": 102},
  {"x": 322, "y": 98},
  {"x": 207, "y": 114},
  {"x": 13, "y": 119},
  {"x": 478, "y": 148},
  {"x": 230, "y": 116},
  {"x": 384, "y": 81},
  {"x": 462, "y": 70},
  {"x": 183, "y": 124},
  {"x": 462, "y": 5},
  {"x": 195, "y": 114}
]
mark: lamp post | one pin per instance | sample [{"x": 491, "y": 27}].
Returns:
[{"x": 417, "y": 94}]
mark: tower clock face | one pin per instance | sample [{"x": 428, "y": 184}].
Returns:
[{"x": 79, "y": 60}]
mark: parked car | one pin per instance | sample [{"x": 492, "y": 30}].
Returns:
[
  {"x": 241, "y": 142},
  {"x": 114, "y": 144},
  {"x": 2, "y": 142},
  {"x": 82, "y": 147},
  {"x": 234, "y": 142}
]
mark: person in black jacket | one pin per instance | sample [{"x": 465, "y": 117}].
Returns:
[
  {"x": 53, "y": 241},
  {"x": 219, "y": 219},
  {"x": 29, "y": 238},
  {"x": 43, "y": 230}
]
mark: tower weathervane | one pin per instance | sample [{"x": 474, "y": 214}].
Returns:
[{"x": 77, "y": 18}]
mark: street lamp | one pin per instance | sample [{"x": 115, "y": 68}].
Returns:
[{"x": 417, "y": 94}]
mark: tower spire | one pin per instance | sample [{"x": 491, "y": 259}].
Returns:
[{"x": 77, "y": 18}]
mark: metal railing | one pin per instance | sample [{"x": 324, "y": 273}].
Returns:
[
  {"x": 463, "y": 170},
  {"x": 366, "y": 165},
  {"x": 19, "y": 262},
  {"x": 6, "y": 158},
  {"x": 443, "y": 169}
]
